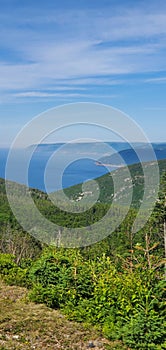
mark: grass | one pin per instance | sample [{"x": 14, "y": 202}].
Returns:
[{"x": 25, "y": 325}]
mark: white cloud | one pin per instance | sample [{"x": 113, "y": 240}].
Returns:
[
  {"x": 64, "y": 95},
  {"x": 77, "y": 45},
  {"x": 156, "y": 80}
]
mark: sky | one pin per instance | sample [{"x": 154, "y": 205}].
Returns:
[{"x": 105, "y": 51}]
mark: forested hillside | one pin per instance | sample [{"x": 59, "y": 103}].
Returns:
[
  {"x": 136, "y": 180},
  {"x": 116, "y": 285}
]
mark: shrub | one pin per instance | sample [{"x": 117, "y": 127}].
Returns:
[
  {"x": 145, "y": 331},
  {"x": 11, "y": 273},
  {"x": 45, "y": 295}
]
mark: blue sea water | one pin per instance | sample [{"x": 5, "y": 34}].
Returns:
[
  {"x": 50, "y": 167},
  {"x": 78, "y": 171}
]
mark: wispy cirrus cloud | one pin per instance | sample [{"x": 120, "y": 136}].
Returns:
[
  {"x": 60, "y": 95},
  {"x": 41, "y": 50},
  {"x": 156, "y": 80}
]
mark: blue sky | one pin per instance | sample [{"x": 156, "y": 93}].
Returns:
[{"x": 56, "y": 52}]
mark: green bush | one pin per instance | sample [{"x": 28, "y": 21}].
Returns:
[
  {"x": 64, "y": 273},
  {"x": 11, "y": 273},
  {"x": 45, "y": 295},
  {"x": 6, "y": 264},
  {"x": 142, "y": 325},
  {"x": 145, "y": 331}
]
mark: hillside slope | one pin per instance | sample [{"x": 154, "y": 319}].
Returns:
[
  {"x": 125, "y": 181},
  {"x": 106, "y": 184}
]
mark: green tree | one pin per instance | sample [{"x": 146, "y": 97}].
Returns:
[{"x": 160, "y": 212}]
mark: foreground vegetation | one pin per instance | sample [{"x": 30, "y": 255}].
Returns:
[
  {"x": 125, "y": 305},
  {"x": 25, "y": 325},
  {"x": 116, "y": 285}
]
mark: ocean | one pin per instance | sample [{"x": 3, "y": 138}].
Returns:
[
  {"x": 62, "y": 172},
  {"x": 50, "y": 167}
]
